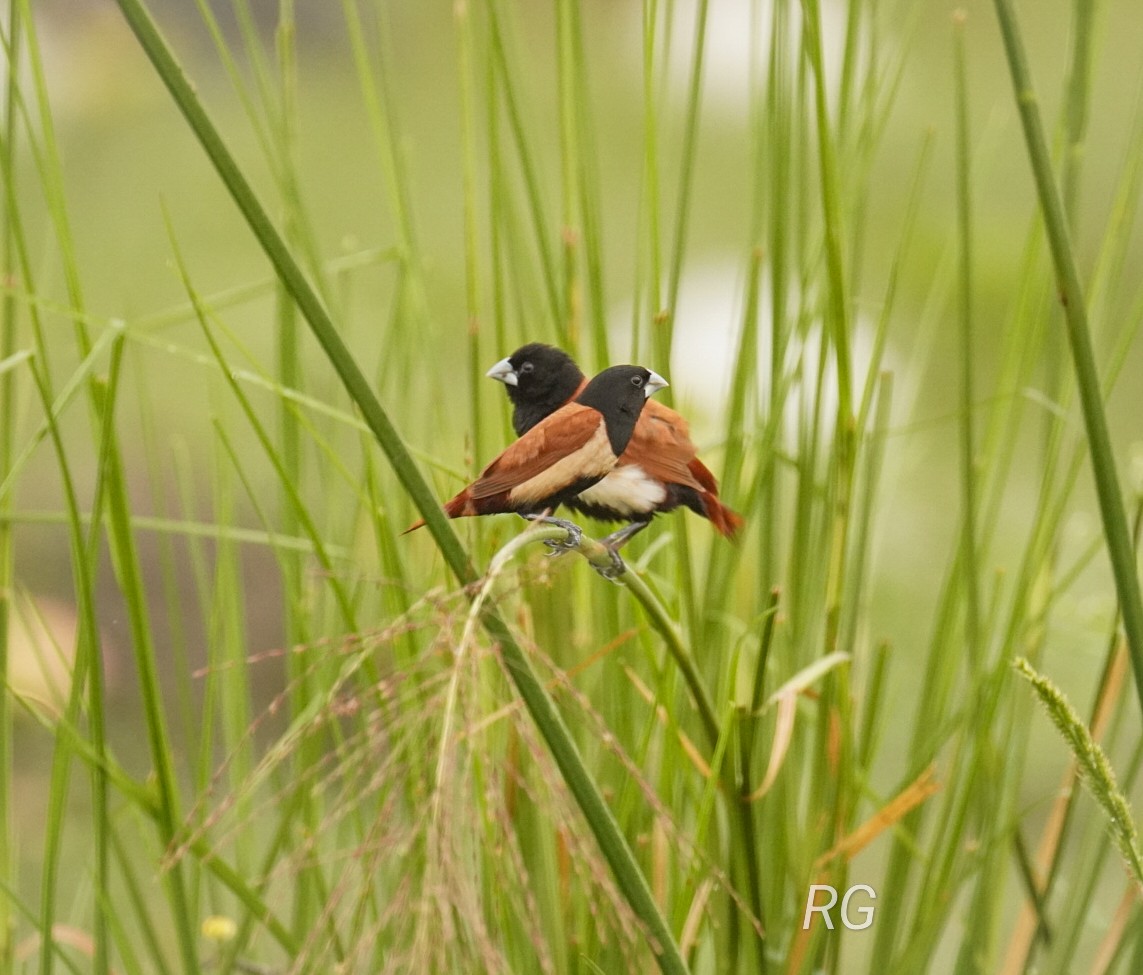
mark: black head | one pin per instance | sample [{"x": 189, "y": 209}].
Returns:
[
  {"x": 539, "y": 379},
  {"x": 619, "y": 394}
]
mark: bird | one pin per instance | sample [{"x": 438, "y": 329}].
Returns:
[
  {"x": 658, "y": 471},
  {"x": 563, "y": 454}
]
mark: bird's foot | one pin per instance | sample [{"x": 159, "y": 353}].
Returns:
[
  {"x": 560, "y": 546},
  {"x": 613, "y": 571},
  {"x": 617, "y": 539}
]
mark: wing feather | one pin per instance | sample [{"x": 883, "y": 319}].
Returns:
[
  {"x": 661, "y": 446},
  {"x": 559, "y": 435}
]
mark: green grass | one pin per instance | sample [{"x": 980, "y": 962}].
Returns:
[{"x": 298, "y": 741}]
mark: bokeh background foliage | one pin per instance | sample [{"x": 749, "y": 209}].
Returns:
[{"x": 247, "y": 725}]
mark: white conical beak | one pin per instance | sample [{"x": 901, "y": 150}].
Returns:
[
  {"x": 654, "y": 383},
  {"x": 504, "y": 372}
]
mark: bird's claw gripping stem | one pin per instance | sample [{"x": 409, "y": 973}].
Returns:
[
  {"x": 560, "y": 546},
  {"x": 613, "y": 571}
]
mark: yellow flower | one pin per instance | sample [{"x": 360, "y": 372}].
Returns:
[{"x": 219, "y": 928}]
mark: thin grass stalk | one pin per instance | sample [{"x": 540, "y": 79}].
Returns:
[
  {"x": 662, "y": 336},
  {"x": 838, "y": 297},
  {"x": 749, "y": 732},
  {"x": 299, "y": 227},
  {"x": 667, "y": 628},
  {"x": 875, "y": 376},
  {"x": 836, "y": 699},
  {"x": 218, "y": 35},
  {"x": 650, "y": 199},
  {"x": 865, "y": 521},
  {"x": 665, "y": 305},
  {"x": 587, "y": 187},
  {"x": 291, "y": 563},
  {"x": 1075, "y": 126},
  {"x": 135, "y": 895},
  {"x": 86, "y": 673},
  {"x": 396, "y": 595},
  {"x": 862, "y": 140},
  {"x": 289, "y": 364},
  {"x": 1076, "y": 110},
  {"x": 1113, "y": 258},
  {"x": 126, "y": 557},
  {"x": 508, "y": 89},
  {"x": 301, "y": 512},
  {"x": 294, "y": 808},
  {"x": 969, "y": 564},
  {"x": 200, "y": 727},
  {"x": 462, "y": 13},
  {"x": 187, "y": 529},
  {"x": 1071, "y": 294},
  {"x": 973, "y": 801},
  {"x": 566, "y": 70},
  {"x": 280, "y": 107},
  {"x": 498, "y": 210},
  {"x": 271, "y": 113},
  {"x": 89, "y": 641},
  {"x": 930, "y": 717},
  {"x": 550, "y": 723},
  {"x": 226, "y": 692},
  {"x": 776, "y": 135},
  {"x": 8, "y": 431},
  {"x": 759, "y": 61},
  {"x": 75, "y": 383},
  {"x": 849, "y": 63},
  {"x": 718, "y": 582},
  {"x": 380, "y": 110},
  {"x": 168, "y": 469}
]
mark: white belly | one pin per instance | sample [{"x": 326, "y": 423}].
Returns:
[{"x": 628, "y": 490}]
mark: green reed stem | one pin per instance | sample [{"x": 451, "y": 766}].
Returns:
[
  {"x": 1071, "y": 295},
  {"x": 967, "y": 397},
  {"x": 8, "y": 431}
]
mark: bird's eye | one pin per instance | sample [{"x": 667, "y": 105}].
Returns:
[
  {"x": 636, "y": 380},
  {"x": 527, "y": 367}
]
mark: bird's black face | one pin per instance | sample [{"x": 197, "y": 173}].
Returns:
[
  {"x": 539, "y": 379},
  {"x": 623, "y": 387},
  {"x": 619, "y": 394},
  {"x": 544, "y": 374}
]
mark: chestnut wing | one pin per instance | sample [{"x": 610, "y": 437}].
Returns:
[
  {"x": 550, "y": 444},
  {"x": 661, "y": 446}
]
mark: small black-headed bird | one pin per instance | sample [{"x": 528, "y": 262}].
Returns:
[
  {"x": 658, "y": 471},
  {"x": 563, "y": 454}
]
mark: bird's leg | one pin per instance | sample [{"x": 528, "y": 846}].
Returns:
[
  {"x": 613, "y": 543},
  {"x": 575, "y": 533},
  {"x": 617, "y": 539},
  {"x": 613, "y": 571}
]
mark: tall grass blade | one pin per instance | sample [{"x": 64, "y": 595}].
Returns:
[
  {"x": 1072, "y": 297},
  {"x": 8, "y": 431}
]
